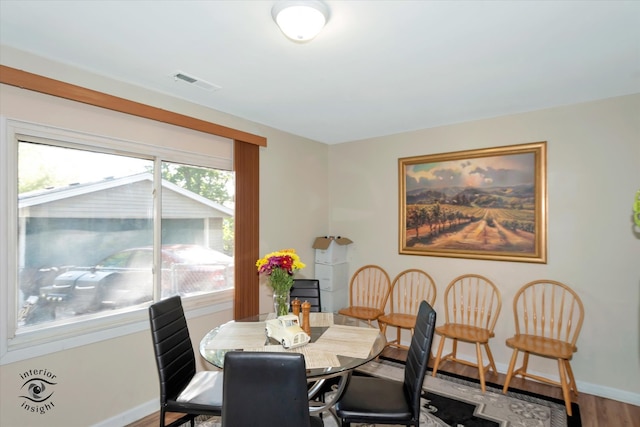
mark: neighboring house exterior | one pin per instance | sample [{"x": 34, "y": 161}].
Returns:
[{"x": 88, "y": 221}]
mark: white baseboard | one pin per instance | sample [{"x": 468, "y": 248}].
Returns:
[
  {"x": 583, "y": 387},
  {"x": 132, "y": 415},
  {"x": 609, "y": 393}
]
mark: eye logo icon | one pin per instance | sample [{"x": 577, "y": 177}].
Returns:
[{"x": 36, "y": 390}]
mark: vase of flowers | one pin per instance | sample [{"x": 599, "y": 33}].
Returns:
[{"x": 279, "y": 267}]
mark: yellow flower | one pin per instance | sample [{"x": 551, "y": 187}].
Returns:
[{"x": 286, "y": 259}]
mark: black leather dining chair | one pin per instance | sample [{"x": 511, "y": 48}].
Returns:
[
  {"x": 307, "y": 290},
  {"x": 265, "y": 389},
  {"x": 181, "y": 388},
  {"x": 374, "y": 400}
]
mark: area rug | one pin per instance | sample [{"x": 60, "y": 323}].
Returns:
[{"x": 453, "y": 401}]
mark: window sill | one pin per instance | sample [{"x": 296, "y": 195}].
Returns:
[{"x": 62, "y": 337}]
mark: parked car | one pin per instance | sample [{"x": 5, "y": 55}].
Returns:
[
  {"x": 287, "y": 331},
  {"x": 124, "y": 278}
]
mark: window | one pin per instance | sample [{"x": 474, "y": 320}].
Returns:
[
  {"x": 197, "y": 229},
  {"x": 93, "y": 217}
]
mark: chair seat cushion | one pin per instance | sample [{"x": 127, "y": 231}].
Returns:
[
  {"x": 401, "y": 320},
  {"x": 547, "y": 347},
  {"x": 205, "y": 388},
  {"x": 464, "y": 332},
  {"x": 364, "y": 313},
  {"x": 374, "y": 399}
]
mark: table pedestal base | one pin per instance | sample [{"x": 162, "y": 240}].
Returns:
[{"x": 325, "y": 405}]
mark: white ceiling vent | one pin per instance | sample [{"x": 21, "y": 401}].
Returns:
[{"x": 193, "y": 80}]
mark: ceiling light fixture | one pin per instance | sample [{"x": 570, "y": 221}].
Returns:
[{"x": 300, "y": 20}]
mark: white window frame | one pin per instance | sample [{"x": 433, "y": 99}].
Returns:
[{"x": 48, "y": 339}]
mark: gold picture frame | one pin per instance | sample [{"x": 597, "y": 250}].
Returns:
[{"x": 481, "y": 204}]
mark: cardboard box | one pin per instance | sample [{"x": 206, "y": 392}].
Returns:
[
  {"x": 331, "y": 249},
  {"x": 332, "y": 277}
]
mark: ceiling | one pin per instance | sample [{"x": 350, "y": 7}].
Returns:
[{"x": 378, "y": 68}]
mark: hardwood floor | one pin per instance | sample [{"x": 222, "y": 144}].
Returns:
[{"x": 594, "y": 411}]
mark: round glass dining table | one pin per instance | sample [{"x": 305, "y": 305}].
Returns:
[{"x": 338, "y": 345}]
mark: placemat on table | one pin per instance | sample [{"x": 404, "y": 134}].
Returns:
[
  {"x": 349, "y": 341},
  {"x": 320, "y": 319},
  {"x": 239, "y": 335}
]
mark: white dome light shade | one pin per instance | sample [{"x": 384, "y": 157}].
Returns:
[{"x": 300, "y": 20}]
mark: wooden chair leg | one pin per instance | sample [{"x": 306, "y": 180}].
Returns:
[
  {"x": 490, "y": 357},
  {"x": 480, "y": 367},
  {"x": 438, "y": 356},
  {"x": 383, "y": 328},
  {"x": 525, "y": 363},
  {"x": 565, "y": 386},
  {"x": 512, "y": 365},
  {"x": 573, "y": 386}
]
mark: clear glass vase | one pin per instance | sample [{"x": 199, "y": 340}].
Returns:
[{"x": 281, "y": 302}]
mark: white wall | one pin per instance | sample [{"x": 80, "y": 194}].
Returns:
[
  {"x": 293, "y": 201},
  {"x": 593, "y": 158}
]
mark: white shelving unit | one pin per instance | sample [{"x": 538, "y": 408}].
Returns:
[
  {"x": 334, "y": 285},
  {"x": 332, "y": 270}
]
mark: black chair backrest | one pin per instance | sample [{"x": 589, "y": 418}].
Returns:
[
  {"x": 307, "y": 290},
  {"x": 418, "y": 355},
  {"x": 172, "y": 346},
  {"x": 265, "y": 389}
]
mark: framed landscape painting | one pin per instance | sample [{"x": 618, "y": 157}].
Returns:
[{"x": 484, "y": 204}]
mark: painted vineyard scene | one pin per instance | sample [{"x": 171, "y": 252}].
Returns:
[{"x": 481, "y": 204}]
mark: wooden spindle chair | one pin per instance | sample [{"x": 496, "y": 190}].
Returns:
[
  {"x": 368, "y": 293},
  {"x": 472, "y": 305},
  {"x": 408, "y": 290},
  {"x": 548, "y": 317}
]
